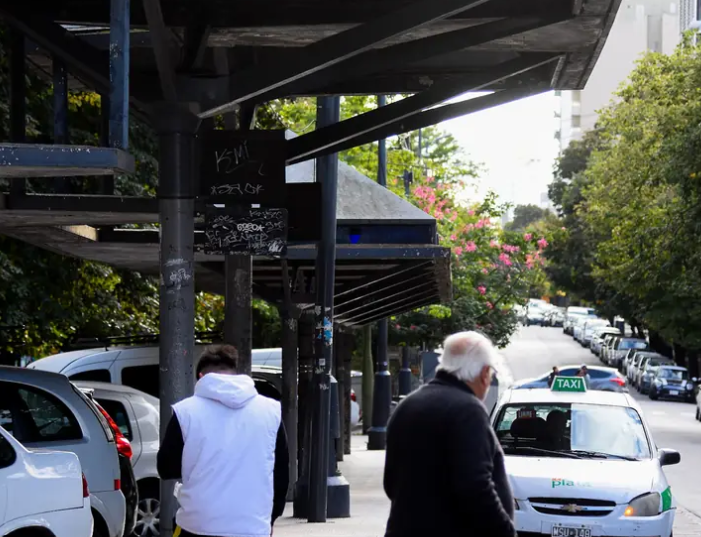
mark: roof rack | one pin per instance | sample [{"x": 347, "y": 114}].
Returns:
[{"x": 137, "y": 339}]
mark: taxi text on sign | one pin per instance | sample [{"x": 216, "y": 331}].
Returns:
[{"x": 569, "y": 384}]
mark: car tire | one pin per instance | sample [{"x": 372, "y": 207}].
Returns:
[
  {"x": 149, "y": 506},
  {"x": 698, "y": 414},
  {"x": 653, "y": 396}
]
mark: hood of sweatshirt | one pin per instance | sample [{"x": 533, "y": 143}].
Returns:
[{"x": 234, "y": 391}]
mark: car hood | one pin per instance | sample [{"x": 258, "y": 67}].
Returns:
[{"x": 596, "y": 479}]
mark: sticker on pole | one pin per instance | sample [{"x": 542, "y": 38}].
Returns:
[
  {"x": 258, "y": 232},
  {"x": 569, "y": 384}
]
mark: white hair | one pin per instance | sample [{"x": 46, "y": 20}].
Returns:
[{"x": 465, "y": 354}]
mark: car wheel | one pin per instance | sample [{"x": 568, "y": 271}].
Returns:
[
  {"x": 698, "y": 414},
  {"x": 148, "y": 513},
  {"x": 653, "y": 396}
]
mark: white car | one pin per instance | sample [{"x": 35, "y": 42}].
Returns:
[
  {"x": 583, "y": 464},
  {"x": 42, "y": 492},
  {"x": 600, "y": 334}
]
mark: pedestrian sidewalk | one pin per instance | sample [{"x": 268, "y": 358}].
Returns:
[{"x": 370, "y": 506}]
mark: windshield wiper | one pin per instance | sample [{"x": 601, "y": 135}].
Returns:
[
  {"x": 599, "y": 454},
  {"x": 539, "y": 451}
]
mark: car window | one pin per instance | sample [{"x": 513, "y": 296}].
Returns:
[
  {"x": 96, "y": 375},
  {"x": 615, "y": 430},
  {"x": 672, "y": 374},
  {"x": 33, "y": 415},
  {"x": 142, "y": 377},
  {"x": 633, "y": 344},
  {"x": 599, "y": 373},
  {"x": 7, "y": 453},
  {"x": 118, "y": 413}
]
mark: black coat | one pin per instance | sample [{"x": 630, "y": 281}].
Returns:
[{"x": 444, "y": 470}]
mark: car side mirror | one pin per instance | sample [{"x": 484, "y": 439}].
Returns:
[{"x": 669, "y": 457}]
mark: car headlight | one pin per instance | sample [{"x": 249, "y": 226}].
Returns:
[{"x": 644, "y": 505}]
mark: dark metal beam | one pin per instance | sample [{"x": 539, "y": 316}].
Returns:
[
  {"x": 425, "y": 298},
  {"x": 388, "y": 58},
  {"x": 78, "y": 203},
  {"x": 302, "y": 147},
  {"x": 18, "y": 99},
  {"x": 270, "y": 13},
  {"x": 416, "y": 288},
  {"x": 432, "y": 117},
  {"x": 351, "y": 305},
  {"x": 21, "y": 160},
  {"x": 160, "y": 40},
  {"x": 255, "y": 83},
  {"x": 85, "y": 62},
  {"x": 196, "y": 39},
  {"x": 119, "y": 54}
]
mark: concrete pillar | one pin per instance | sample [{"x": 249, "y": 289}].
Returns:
[{"x": 237, "y": 313}]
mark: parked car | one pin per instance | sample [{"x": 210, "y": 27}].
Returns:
[
  {"x": 136, "y": 415},
  {"x": 588, "y": 330},
  {"x": 42, "y": 493},
  {"x": 571, "y": 314},
  {"x": 578, "y": 326},
  {"x": 672, "y": 382},
  {"x": 634, "y": 366},
  {"x": 45, "y": 410},
  {"x": 557, "y": 317},
  {"x": 648, "y": 369},
  {"x": 599, "y": 336},
  {"x": 602, "y": 378},
  {"x": 137, "y": 366},
  {"x": 621, "y": 348}
]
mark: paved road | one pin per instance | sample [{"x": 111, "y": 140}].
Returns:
[{"x": 536, "y": 350}]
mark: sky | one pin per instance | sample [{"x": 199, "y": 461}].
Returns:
[{"x": 514, "y": 142}]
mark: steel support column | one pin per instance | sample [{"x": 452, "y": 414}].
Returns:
[
  {"x": 289, "y": 389},
  {"x": 405, "y": 373},
  {"x": 237, "y": 316},
  {"x": 368, "y": 379},
  {"x": 176, "y": 127},
  {"x": 18, "y": 99},
  {"x": 382, "y": 396},
  {"x": 60, "y": 75},
  {"x": 305, "y": 400},
  {"x": 119, "y": 74},
  {"x": 328, "y": 112}
]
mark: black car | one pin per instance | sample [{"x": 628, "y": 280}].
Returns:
[{"x": 672, "y": 382}]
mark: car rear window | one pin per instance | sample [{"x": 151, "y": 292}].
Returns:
[
  {"x": 33, "y": 415},
  {"x": 118, "y": 413}
]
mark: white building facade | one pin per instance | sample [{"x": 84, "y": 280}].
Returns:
[{"x": 640, "y": 26}]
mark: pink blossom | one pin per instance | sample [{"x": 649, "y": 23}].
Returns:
[
  {"x": 413, "y": 327},
  {"x": 482, "y": 289},
  {"x": 471, "y": 212},
  {"x": 485, "y": 271},
  {"x": 493, "y": 244},
  {"x": 430, "y": 179},
  {"x": 542, "y": 243},
  {"x": 454, "y": 217},
  {"x": 527, "y": 237},
  {"x": 563, "y": 228},
  {"x": 398, "y": 327},
  {"x": 453, "y": 237},
  {"x": 431, "y": 198},
  {"x": 504, "y": 258},
  {"x": 458, "y": 250},
  {"x": 490, "y": 306},
  {"x": 470, "y": 246}
]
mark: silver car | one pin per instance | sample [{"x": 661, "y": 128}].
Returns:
[
  {"x": 137, "y": 415},
  {"x": 44, "y": 410}
]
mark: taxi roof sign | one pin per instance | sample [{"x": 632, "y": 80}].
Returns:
[{"x": 569, "y": 384}]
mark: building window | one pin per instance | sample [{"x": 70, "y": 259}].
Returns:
[
  {"x": 577, "y": 97},
  {"x": 576, "y": 122}
]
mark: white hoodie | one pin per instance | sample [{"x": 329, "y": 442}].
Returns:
[{"x": 229, "y": 432}]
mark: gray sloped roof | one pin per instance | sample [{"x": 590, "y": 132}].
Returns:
[{"x": 359, "y": 197}]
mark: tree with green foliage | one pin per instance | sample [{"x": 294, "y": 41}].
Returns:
[{"x": 525, "y": 215}]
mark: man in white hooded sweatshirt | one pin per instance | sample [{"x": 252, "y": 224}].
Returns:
[{"x": 228, "y": 446}]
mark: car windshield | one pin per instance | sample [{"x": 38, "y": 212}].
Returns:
[
  {"x": 655, "y": 363},
  {"x": 583, "y": 429},
  {"x": 632, "y": 344},
  {"x": 673, "y": 374}
]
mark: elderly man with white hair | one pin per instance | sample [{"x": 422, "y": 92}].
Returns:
[{"x": 444, "y": 470}]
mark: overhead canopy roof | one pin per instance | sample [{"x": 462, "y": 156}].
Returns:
[{"x": 387, "y": 260}]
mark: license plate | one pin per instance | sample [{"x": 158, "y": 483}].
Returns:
[
  {"x": 673, "y": 392},
  {"x": 567, "y": 531}
]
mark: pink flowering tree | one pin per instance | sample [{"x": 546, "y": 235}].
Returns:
[{"x": 492, "y": 270}]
